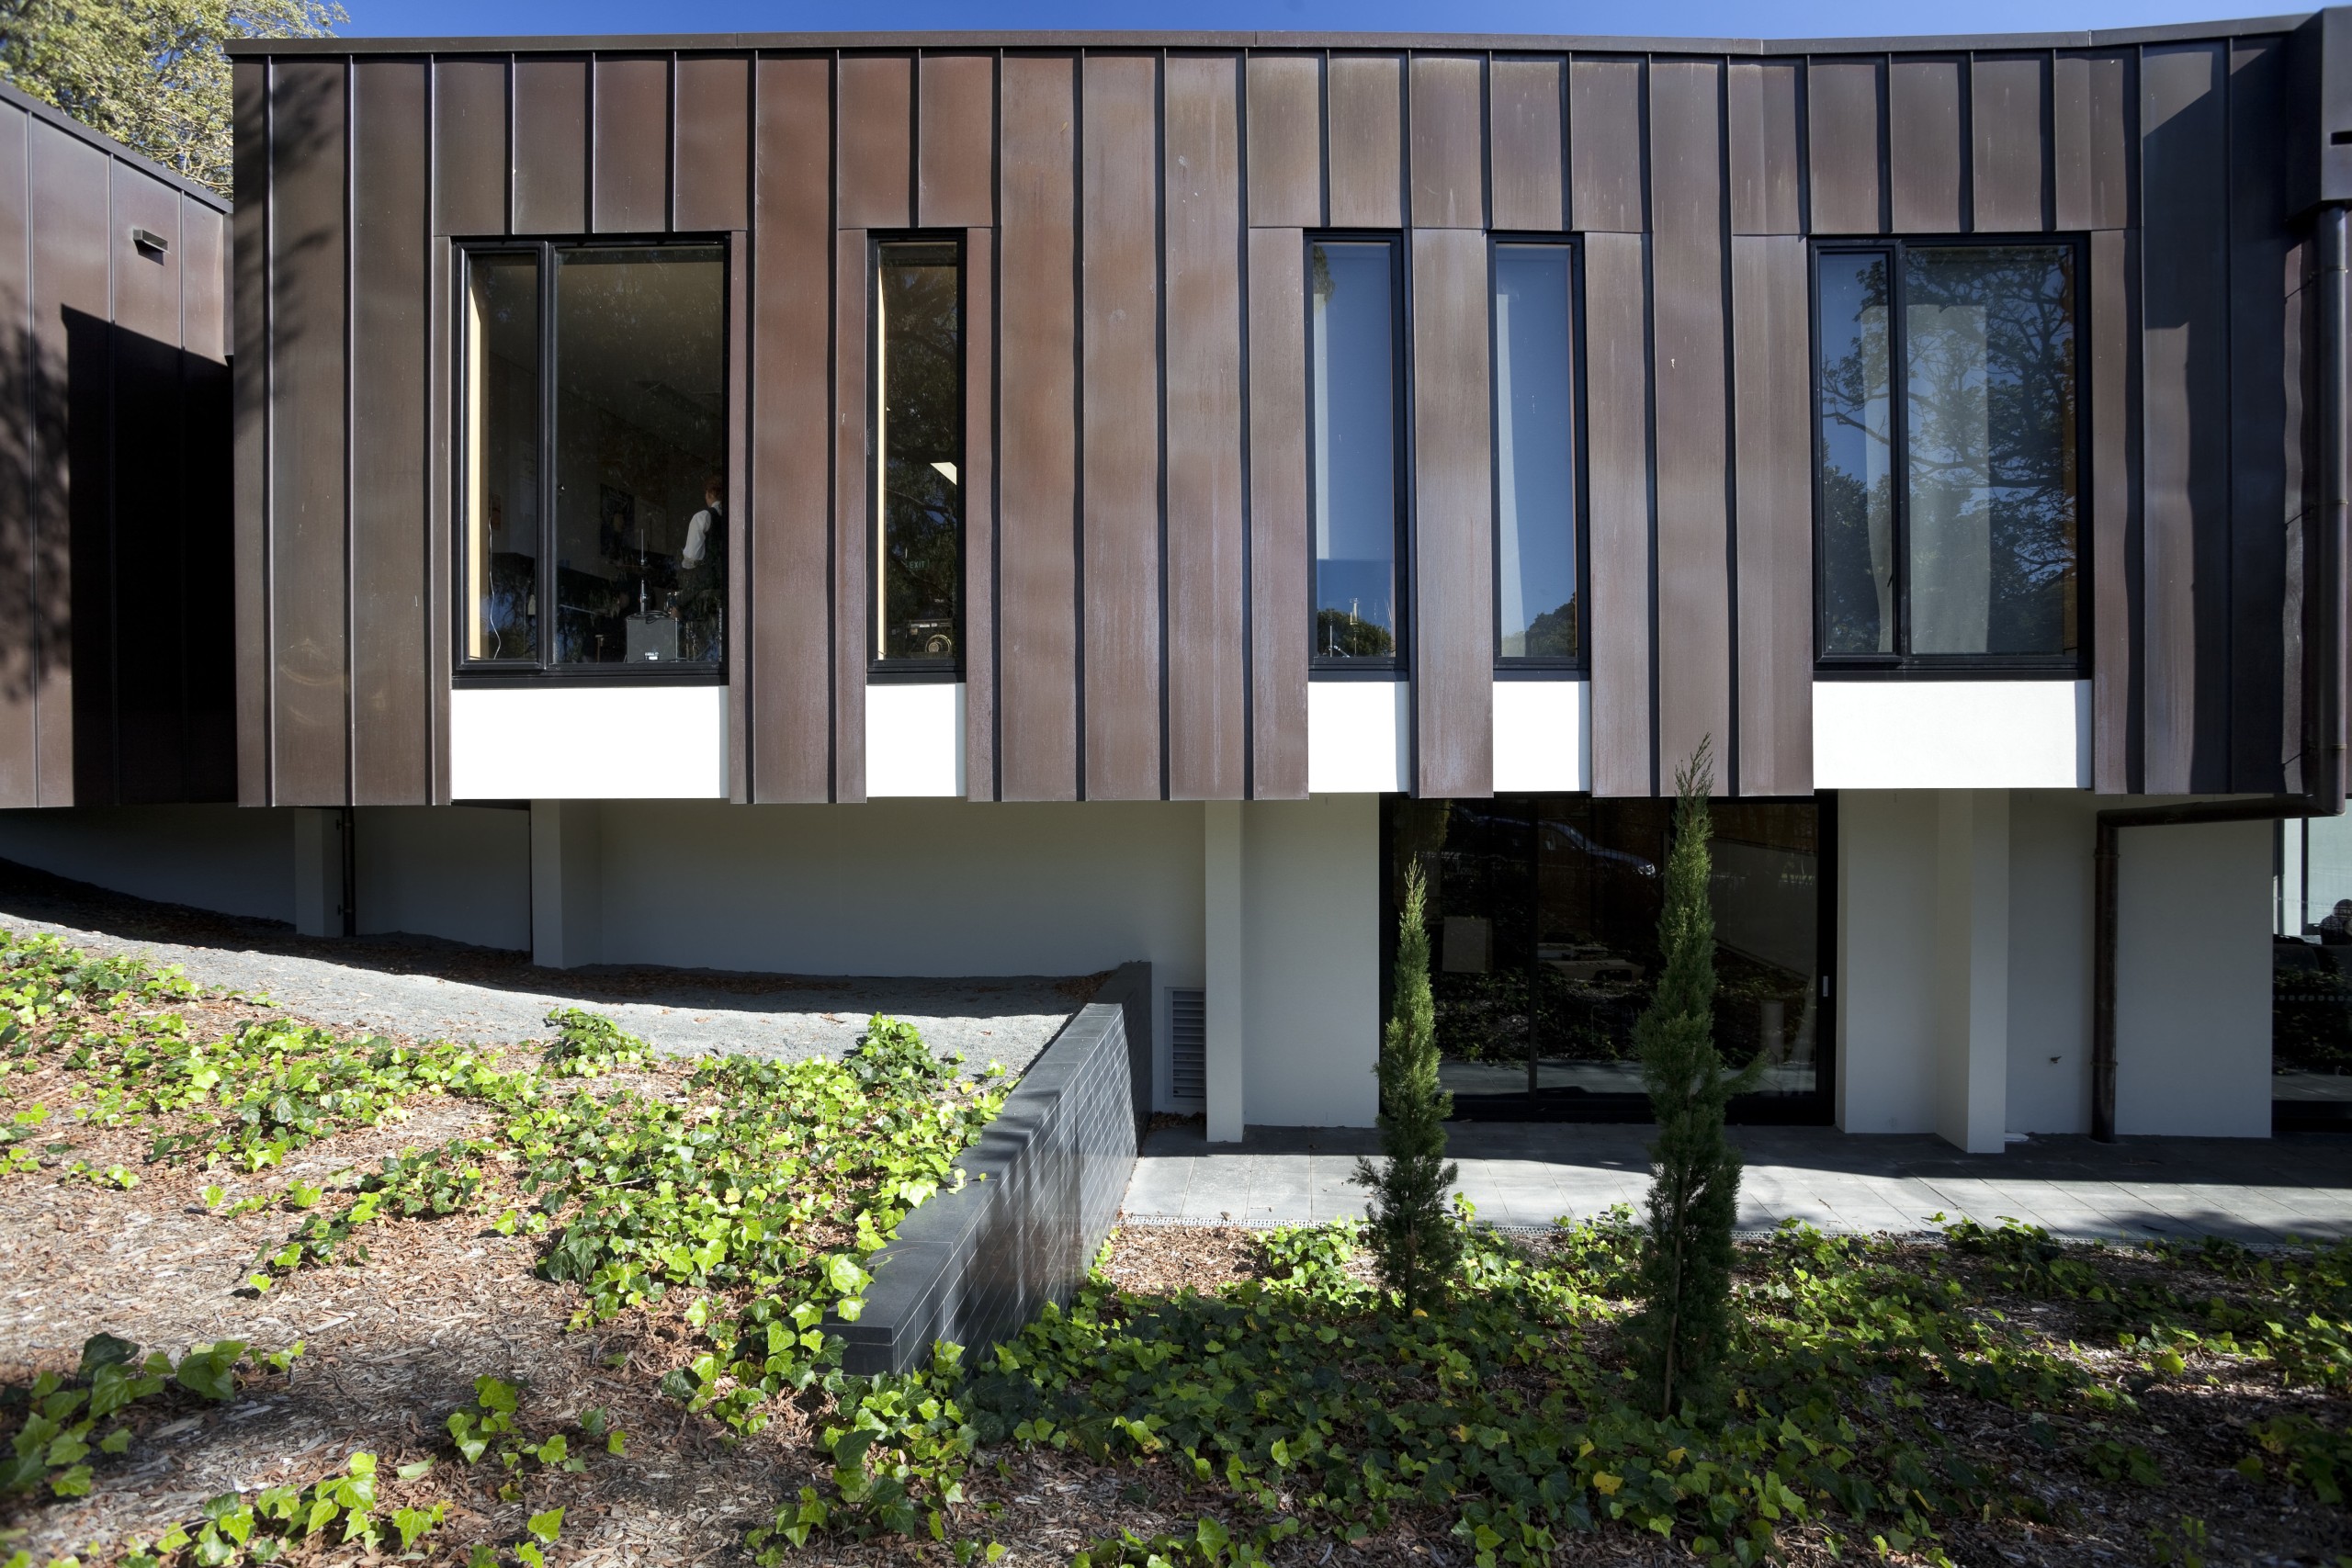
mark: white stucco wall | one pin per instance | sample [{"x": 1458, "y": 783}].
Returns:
[
  {"x": 2052, "y": 835},
  {"x": 212, "y": 857},
  {"x": 1951, "y": 734},
  {"x": 1311, "y": 958},
  {"x": 588, "y": 743},
  {"x": 1885, "y": 973},
  {"x": 462, "y": 872}
]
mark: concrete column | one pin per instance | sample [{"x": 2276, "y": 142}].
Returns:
[
  {"x": 1221, "y": 906},
  {"x": 567, "y": 884},
  {"x": 318, "y": 872},
  {"x": 1972, "y": 968}
]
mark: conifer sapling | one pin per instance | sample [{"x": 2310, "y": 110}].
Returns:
[{"x": 1414, "y": 1235}]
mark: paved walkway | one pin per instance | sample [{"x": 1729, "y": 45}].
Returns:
[{"x": 1528, "y": 1174}]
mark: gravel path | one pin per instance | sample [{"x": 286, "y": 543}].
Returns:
[{"x": 424, "y": 989}]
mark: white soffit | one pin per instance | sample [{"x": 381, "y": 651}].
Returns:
[
  {"x": 1951, "y": 734},
  {"x": 914, "y": 739},
  {"x": 1541, "y": 736},
  {"x": 588, "y": 743},
  {"x": 1355, "y": 736}
]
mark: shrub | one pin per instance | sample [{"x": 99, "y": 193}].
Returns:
[{"x": 1416, "y": 1240}]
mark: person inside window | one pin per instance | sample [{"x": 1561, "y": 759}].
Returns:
[
  {"x": 701, "y": 576},
  {"x": 2335, "y": 930}
]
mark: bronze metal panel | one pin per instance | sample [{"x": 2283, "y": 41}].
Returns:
[
  {"x": 550, "y": 146},
  {"x": 440, "y": 383},
  {"x": 979, "y": 514},
  {"x": 2092, "y": 124},
  {"x": 1772, "y": 474},
  {"x": 249, "y": 320},
  {"x": 1285, "y": 130},
  {"x": 1925, "y": 133},
  {"x": 1767, "y": 157},
  {"x": 1606, "y": 183},
  {"x": 714, "y": 128},
  {"x": 630, "y": 171},
  {"x": 1279, "y": 633},
  {"x": 146, "y": 297},
  {"x": 2009, "y": 104},
  {"x": 739, "y": 421},
  {"x": 204, "y": 267},
  {"x": 1694, "y": 655},
  {"x": 391, "y": 738},
  {"x": 1208, "y": 671},
  {"x": 2259, "y": 93},
  {"x": 1845, "y": 145},
  {"x": 2112, "y": 523},
  {"x": 1527, "y": 109},
  {"x": 470, "y": 161},
  {"x": 1119, "y": 517},
  {"x": 853, "y": 509},
  {"x": 788, "y": 564},
  {"x": 1366, "y": 142},
  {"x": 19, "y": 452},
  {"x": 309, "y": 516},
  {"x": 1038, "y": 631},
  {"x": 207, "y": 577},
  {"x": 1453, "y": 519},
  {"x": 1617, "y": 402},
  {"x": 1449, "y": 161},
  {"x": 877, "y": 141},
  {"x": 956, "y": 184}
]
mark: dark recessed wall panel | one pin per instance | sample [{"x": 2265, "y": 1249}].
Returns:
[
  {"x": 788, "y": 567},
  {"x": 2093, "y": 121},
  {"x": 1844, "y": 145},
  {"x": 1926, "y": 131},
  {"x": 18, "y": 450},
  {"x": 1366, "y": 142},
  {"x": 2111, "y": 518},
  {"x": 852, "y": 510},
  {"x": 2008, "y": 107},
  {"x": 1037, "y": 430},
  {"x": 1278, "y": 541},
  {"x": 2259, "y": 505},
  {"x": 550, "y": 146},
  {"x": 148, "y": 534},
  {"x": 1772, "y": 470},
  {"x": 1449, "y": 152},
  {"x": 1208, "y": 588},
  {"x": 1617, "y": 401},
  {"x": 980, "y": 515},
  {"x": 1766, "y": 152},
  {"x": 1606, "y": 183},
  {"x": 631, "y": 172},
  {"x": 1527, "y": 109},
  {"x": 470, "y": 161},
  {"x": 1119, "y": 420},
  {"x": 714, "y": 115},
  {"x": 876, "y": 142},
  {"x": 1285, "y": 130},
  {"x": 955, "y": 180},
  {"x": 249, "y": 320},
  {"x": 1453, "y": 521}
]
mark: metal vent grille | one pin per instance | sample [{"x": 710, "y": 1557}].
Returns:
[{"x": 1188, "y": 1044}]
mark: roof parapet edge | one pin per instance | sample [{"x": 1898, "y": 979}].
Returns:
[{"x": 10, "y": 93}]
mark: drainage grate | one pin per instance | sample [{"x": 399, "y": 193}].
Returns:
[{"x": 1188, "y": 1044}]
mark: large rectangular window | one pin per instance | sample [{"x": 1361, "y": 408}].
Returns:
[
  {"x": 918, "y": 443},
  {"x": 1535, "y": 455},
  {"x": 1352, "y": 336},
  {"x": 1947, "y": 450},
  {"x": 594, "y": 440}
]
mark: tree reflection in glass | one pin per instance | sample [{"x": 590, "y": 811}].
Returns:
[
  {"x": 918, "y": 452},
  {"x": 1351, "y": 339}
]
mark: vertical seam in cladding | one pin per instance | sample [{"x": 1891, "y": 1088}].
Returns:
[
  {"x": 833, "y": 611},
  {"x": 350, "y": 575},
  {"x": 746, "y": 518},
  {"x": 513, "y": 171},
  {"x": 1725, "y": 270},
  {"x": 1078, "y": 420},
  {"x": 1247, "y": 433},
  {"x": 269, "y": 433},
  {"x": 1649, "y": 397},
  {"x": 1883, "y": 82},
  {"x": 1964, "y": 112},
  {"x": 29, "y": 394},
  {"x": 1160, "y": 329},
  {"x": 113, "y": 513},
  {"x": 996, "y": 427},
  {"x": 2227, "y": 52},
  {"x": 429, "y": 317}
]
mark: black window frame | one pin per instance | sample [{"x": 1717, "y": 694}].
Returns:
[
  {"x": 542, "y": 669},
  {"x": 915, "y": 671},
  {"x": 1902, "y": 663},
  {"x": 1398, "y": 664},
  {"x": 1544, "y": 666}
]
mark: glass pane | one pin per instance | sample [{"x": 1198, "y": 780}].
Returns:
[
  {"x": 501, "y": 528},
  {"x": 1989, "y": 379},
  {"x": 1354, "y": 451},
  {"x": 918, "y": 447},
  {"x": 641, "y": 370},
  {"x": 1857, "y": 458},
  {"x": 1534, "y": 453},
  {"x": 2310, "y": 965}
]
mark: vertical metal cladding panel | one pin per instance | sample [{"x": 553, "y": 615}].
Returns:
[
  {"x": 737, "y": 250},
  {"x": 1207, "y": 637},
  {"x": 714, "y": 130},
  {"x": 1120, "y": 521},
  {"x": 1366, "y": 141},
  {"x": 2092, "y": 121},
  {"x": 853, "y": 504},
  {"x": 152, "y": 526},
  {"x": 440, "y": 490},
  {"x": 206, "y": 677},
  {"x": 979, "y": 513},
  {"x": 1694, "y": 610},
  {"x": 789, "y": 566},
  {"x": 1772, "y": 470},
  {"x": 2008, "y": 107},
  {"x": 1767, "y": 153},
  {"x": 1285, "y": 132},
  {"x": 1845, "y": 143},
  {"x": 1279, "y": 637},
  {"x": 2185, "y": 398},
  {"x": 877, "y": 133},
  {"x": 1607, "y": 187},
  {"x": 2259, "y": 503},
  {"x": 2296, "y": 443},
  {"x": 249, "y": 318},
  {"x": 19, "y": 451},
  {"x": 1927, "y": 132},
  {"x": 470, "y": 165},
  {"x": 1037, "y": 447},
  {"x": 1453, "y": 521},
  {"x": 2115, "y": 683},
  {"x": 1527, "y": 113},
  {"x": 310, "y": 579},
  {"x": 956, "y": 172},
  {"x": 550, "y": 146},
  {"x": 1617, "y": 401},
  {"x": 1449, "y": 158},
  {"x": 390, "y": 702},
  {"x": 629, "y": 173}
]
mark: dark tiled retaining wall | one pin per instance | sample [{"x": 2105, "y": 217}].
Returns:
[{"x": 1041, "y": 1189}]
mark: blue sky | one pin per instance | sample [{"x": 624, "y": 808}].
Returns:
[{"x": 1681, "y": 18}]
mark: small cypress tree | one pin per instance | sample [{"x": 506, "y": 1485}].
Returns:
[
  {"x": 1681, "y": 1332},
  {"x": 1414, "y": 1236}
]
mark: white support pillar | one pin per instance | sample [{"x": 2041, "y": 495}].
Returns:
[
  {"x": 1971, "y": 927},
  {"x": 567, "y": 884},
  {"x": 318, "y": 872},
  {"x": 1221, "y": 905}
]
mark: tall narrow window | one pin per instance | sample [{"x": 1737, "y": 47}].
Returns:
[
  {"x": 1535, "y": 542},
  {"x": 918, "y": 454},
  {"x": 1352, "y": 342},
  {"x": 502, "y": 564}
]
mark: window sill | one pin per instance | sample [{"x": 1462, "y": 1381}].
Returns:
[
  {"x": 624, "y": 675},
  {"x": 1367, "y": 671},
  {"x": 1967, "y": 669},
  {"x": 897, "y": 674},
  {"x": 1529, "y": 670}
]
